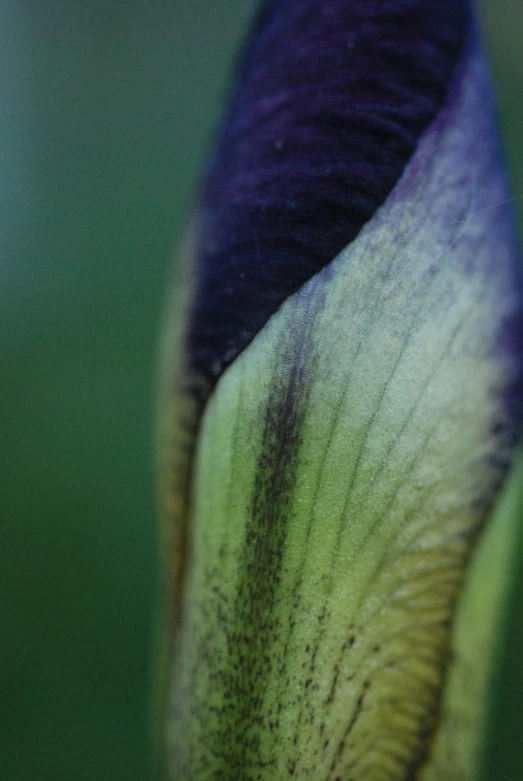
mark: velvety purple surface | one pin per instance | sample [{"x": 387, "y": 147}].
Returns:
[{"x": 329, "y": 102}]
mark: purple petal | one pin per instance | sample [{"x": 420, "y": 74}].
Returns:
[{"x": 329, "y": 105}]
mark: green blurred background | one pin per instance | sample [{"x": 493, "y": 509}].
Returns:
[{"x": 105, "y": 115}]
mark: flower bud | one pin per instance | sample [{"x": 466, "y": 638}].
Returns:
[{"x": 340, "y": 403}]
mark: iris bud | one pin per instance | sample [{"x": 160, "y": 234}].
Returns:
[{"x": 340, "y": 401}]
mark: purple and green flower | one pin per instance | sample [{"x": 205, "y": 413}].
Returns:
[{"x": 340, "y": 403}]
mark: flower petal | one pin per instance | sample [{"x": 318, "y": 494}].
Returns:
[
  {"x": 328, "y": 106},
  {"x": 322, "y": 500},
  {"x": 345, "y": 464}
]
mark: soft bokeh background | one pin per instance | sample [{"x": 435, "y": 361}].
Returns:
[{"x": 106, "y": 110}]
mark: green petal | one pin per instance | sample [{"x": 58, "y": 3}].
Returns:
[{"x": 476, "y": 643}]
